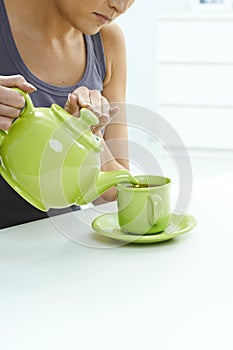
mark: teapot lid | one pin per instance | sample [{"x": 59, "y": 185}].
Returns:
[{"x": 80, "y": 127}]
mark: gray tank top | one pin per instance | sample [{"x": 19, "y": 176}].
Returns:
[{"x": 13, "y": 209}]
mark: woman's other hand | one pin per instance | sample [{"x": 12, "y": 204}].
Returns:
[
  {"x": 92, "y": 99},
  {"x": 11, "y": 102}
]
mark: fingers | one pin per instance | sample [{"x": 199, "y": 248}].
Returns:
[
  {"x": 10, "y": 98},
  {"x": 105, "y": 108},
  {"x": 95, "y": 100},
  {"x": 5, "y": 123},
  {"x": 9, "y": 112},
  {"x": 114, "y": 111},
  {"x": 16, "y": 81},
  {"x": 11, "y": 101},
  {"x": 83, "y": 97},
  {"x": 72, "y": 105},
  {"x": 92, "y": 99},
  {"x": 103, "y": 121}
]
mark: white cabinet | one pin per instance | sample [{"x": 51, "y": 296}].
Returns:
[{"x": 195, "y": 77}]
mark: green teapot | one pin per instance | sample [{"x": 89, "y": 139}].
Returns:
[{"x": 52, "y": 159}]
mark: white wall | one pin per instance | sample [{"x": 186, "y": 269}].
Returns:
[{"x": 139, "y": 26}]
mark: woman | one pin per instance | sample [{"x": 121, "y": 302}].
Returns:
[{"x": 66, "y": 52}]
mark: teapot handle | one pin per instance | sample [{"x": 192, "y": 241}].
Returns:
[
  {"x": 29, "y": 107},
  {"x": 2, "y": 136}
]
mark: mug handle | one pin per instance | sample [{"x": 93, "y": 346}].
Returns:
[
  {"x": 156, "y": 201},
  {"x": 29, "y": 107}
]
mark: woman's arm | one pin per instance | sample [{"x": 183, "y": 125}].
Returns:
[
  {"x": 115, "y": 134},
  {"x": 110, "y": 106},
  {"x": 115, "y": 139}
]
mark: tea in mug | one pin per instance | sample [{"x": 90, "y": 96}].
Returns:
[{"x": 142, "y": 185}]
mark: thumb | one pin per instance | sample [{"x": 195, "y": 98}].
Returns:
[{"x": 71, "y": 105}]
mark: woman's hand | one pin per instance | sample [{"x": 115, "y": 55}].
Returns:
[
  {"x": 11, "y": 102},
  {"x": 92, "y": 99}
]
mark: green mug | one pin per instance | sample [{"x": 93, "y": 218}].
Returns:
[{"x": 144, "y": 208}]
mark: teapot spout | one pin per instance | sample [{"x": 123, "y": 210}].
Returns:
[{"x": 105, "y": 180}]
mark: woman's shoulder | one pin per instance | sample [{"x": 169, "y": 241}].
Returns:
[
  {"x": 115, "y": 57},
  {"x": 112, "y": 36}
]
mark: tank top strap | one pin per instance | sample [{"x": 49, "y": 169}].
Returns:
[{"x": 99, "y": 54}]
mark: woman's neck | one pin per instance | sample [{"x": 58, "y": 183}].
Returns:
[
  {"x": 53, "y": 51},
  {"x": 41, "y": 17}
]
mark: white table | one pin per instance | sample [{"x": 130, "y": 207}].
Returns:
[{"x": 58, "y": 294}]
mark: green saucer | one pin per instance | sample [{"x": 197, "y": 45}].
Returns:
[{"x": 107, "y": 225}]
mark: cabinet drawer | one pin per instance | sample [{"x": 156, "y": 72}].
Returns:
[
  {"x": 195, "y": 40},
  {"x": 208, "y": 85},
  {"x": 201, "y": 127}
]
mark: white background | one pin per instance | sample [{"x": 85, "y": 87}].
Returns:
[{"x": 140, "y": 27}]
